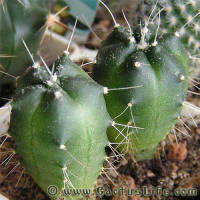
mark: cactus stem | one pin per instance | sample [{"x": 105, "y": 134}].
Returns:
[{"x": 116, "y": 25}]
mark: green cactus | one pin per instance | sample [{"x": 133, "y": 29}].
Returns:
[
  {"x": 159, "y": 67},
  {"x": 59, "y": 123},
  {"x": 180, "y": 17},
  {"x": 20, "y": 21}
]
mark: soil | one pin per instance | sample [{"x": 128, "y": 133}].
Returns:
[{"x": 176, "y": 164}]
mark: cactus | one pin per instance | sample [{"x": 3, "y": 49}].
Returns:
[
  {"x": 20, "y": 21},
  {"x": 59, "y": 123},
  {"x": 179, "y": 17},
  {"x": 159, "y": 67}
]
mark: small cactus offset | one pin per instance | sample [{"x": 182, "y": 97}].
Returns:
[
  {"x": 158, "y": 68},
  {"x": 59, "y": 123},
  {"x": 179, "y": 17}
]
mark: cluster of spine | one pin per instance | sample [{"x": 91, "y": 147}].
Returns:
[
  {"x": 180, "y": 17},
  {"x": 59, "y": 123}
]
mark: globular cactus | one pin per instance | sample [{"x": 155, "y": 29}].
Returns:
[
  {"x": 179, "y": 17},
  {"x": 158, "y": 68},
  {"x": 20, "y": 20},
  {"x": 59, "y": 123}
]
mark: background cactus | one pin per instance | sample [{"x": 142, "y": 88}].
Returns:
[
  {"x": 160, "y": 68},
  {"x": 59, "y": 123},
  {"x": 180, "y": 17},
  {"x": 20, "y": 21}
]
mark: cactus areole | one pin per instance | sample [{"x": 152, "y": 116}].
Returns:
[
  {"x": 59, "y": 122},
  {"x": 160, "y": 69}
]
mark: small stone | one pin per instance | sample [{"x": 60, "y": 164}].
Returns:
[
  {"x": 174, "y": 175},
  {"x": 150, "y": 173},
  {"x": 177, "y": 152},
  {"x": 127, "y": 182}
]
